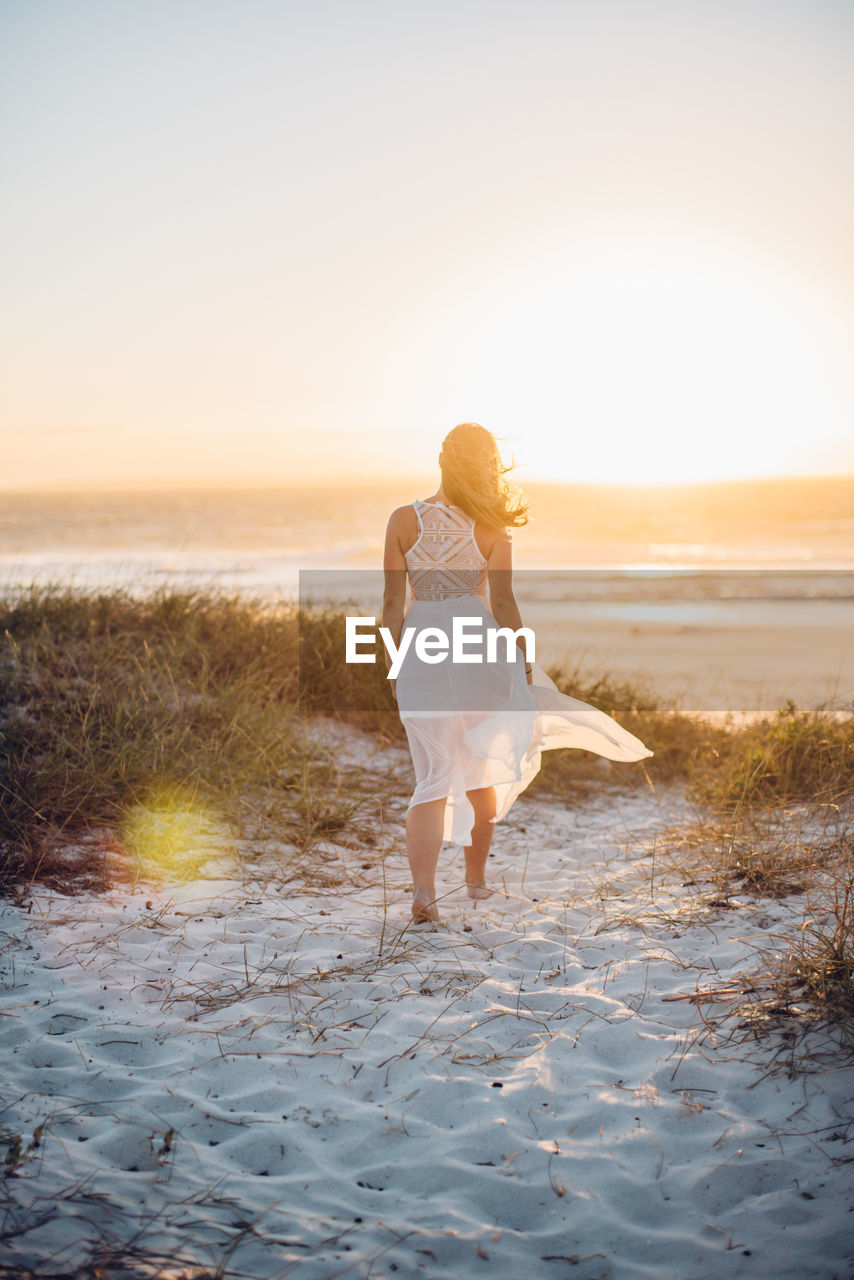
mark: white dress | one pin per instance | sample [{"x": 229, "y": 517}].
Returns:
[{"x": 479, "y": 723}]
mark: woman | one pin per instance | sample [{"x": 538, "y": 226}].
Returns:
[{"x": 475, "y": 728}]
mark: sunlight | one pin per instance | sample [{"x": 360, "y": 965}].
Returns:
[
  {"x": 173, "y": 834},
  {"x": 659, "y": 365}
]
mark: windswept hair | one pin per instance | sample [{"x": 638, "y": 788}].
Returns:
[{"x": 473, "y": 478}]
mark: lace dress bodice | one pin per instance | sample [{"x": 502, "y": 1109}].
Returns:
[{"x": 445, "y": 560}]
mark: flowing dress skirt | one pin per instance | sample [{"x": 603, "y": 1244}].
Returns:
[{"x": 480, "y": 724}]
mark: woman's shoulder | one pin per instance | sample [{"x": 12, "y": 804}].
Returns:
[
  {"x": 403, "y": 516},
  {"x": 403, "y": 525}
]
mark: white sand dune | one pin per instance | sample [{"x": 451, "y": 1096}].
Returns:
[{"x": 240, "y": 1074}]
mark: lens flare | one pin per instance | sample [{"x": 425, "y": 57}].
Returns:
[{"x": 174, "y": 833}]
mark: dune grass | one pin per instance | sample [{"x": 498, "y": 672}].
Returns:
[
  {"x": 325, "y": 685},
  {"x": 792, "y": 756},
  {"x": 171, "y": 719},
  {"x": 822, "y": 961},
  {"x": 119, "y": 712},
  {"x": 795, "y": 756}
]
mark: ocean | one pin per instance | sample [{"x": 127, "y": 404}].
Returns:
[{"x": 778, "y": 540}]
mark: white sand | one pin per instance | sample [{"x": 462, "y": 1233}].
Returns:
[
  {"x": 715, "y": 668},
  {"x": 269, "y": 1080}
]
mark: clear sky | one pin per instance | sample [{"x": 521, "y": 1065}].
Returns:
[{"x": 263, "y": 239}]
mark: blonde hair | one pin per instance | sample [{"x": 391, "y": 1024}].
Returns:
[{"x": 472, "y": 478}]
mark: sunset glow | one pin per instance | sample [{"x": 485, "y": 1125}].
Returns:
[
  {"x": 649, "y": 364},
  {"x": 254, "y": 243}
]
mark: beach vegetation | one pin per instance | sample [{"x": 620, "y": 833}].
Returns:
[
  {"x": 150, "y": 732},
  {"x": 146, "y": 732},
  {"x": 821, "y": 962},
  {"x": 794, "y": 756}
]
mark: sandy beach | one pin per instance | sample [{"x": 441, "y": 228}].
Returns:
[
  {"x": 271, "y": 1077},
  {"x": 712, "y": 666}
]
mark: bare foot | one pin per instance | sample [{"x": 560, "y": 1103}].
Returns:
[
  {"x": 424, "y": 909},
  {"x": 478, "y": 891}
]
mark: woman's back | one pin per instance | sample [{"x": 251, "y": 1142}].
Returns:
[{"x": 445, "y": 560}]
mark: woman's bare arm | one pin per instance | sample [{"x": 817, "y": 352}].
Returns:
[
  {"x": 394, "y": 566},
  {"x": 502, "y": 601}
]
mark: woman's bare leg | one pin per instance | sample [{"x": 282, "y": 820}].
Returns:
[
  {"x": 424, "y": 828},
  {"x": 484, "y": 804}
]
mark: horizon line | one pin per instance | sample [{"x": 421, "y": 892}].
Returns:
[{"x": 253, "y": 484}]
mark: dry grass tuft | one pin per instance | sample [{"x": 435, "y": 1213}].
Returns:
[{"x": 821, "y": 963}]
